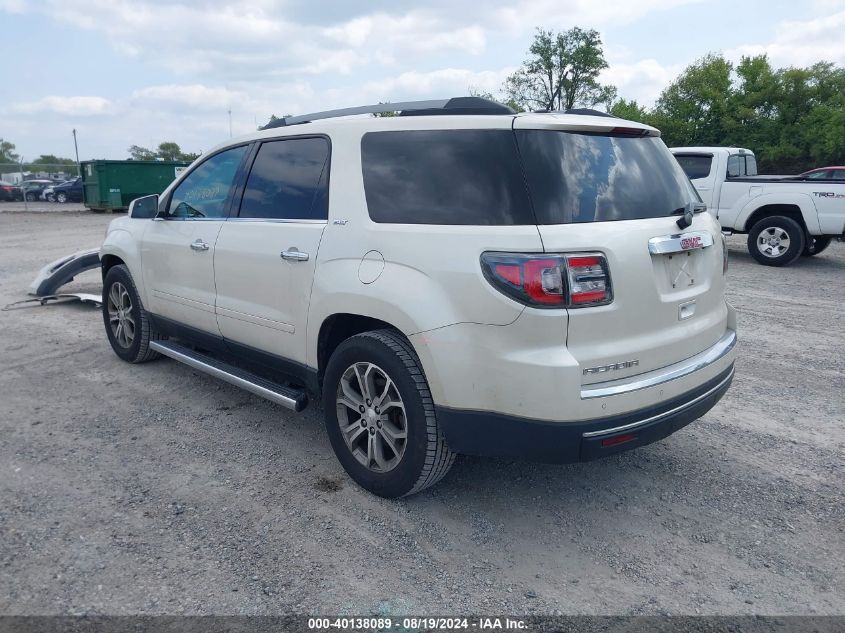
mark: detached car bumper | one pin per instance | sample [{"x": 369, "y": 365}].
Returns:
[{"x": 494, "y": 435}]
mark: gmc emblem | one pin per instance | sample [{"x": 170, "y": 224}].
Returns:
[{"x": 688, "y": 243}]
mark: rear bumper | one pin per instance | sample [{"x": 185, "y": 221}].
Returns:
[{"x": 495, "y": 435}]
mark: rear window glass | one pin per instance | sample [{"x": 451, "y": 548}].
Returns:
[
  {"x": 444, "y": 177},
  {"x": 695, "y": 166},
  {"x": 597, "y": 178}
]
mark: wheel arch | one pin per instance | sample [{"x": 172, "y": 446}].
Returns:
[
  {"x": 109, "y": 261},
  {"x": 800, "y": 208},
  {"x": 340, "y": 326}
]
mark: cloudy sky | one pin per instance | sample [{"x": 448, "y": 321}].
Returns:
[{"x": 138, "y": 72}]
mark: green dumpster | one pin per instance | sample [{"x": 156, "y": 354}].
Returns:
[{"x": 110, "y": 185}]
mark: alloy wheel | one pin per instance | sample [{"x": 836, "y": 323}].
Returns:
[
  {"x": 372, "y": 417},
  {"x": 120, "y": 315}
]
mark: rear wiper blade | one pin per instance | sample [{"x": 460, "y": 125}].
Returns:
[{"x": 688, "y": 211}]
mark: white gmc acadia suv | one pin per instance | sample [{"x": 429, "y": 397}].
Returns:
[{"x": 456, "y": 279}]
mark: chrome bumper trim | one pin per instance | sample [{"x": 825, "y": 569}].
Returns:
[
  {"x": 666, "y": 374},
  {"x": 659, "y": 416}
]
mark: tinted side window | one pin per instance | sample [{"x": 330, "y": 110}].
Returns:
[
  {"x": 733, "y": 167},
  {"x": 444, "y": 177},
  {"x": 288, "y": 180},
  {"x": 695, "y": 166},
  {"x": 599, "y": 178},
  {"x": 204, "y": 191}
]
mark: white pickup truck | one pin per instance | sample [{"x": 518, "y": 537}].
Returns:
[{"x": 784, "y": 216}]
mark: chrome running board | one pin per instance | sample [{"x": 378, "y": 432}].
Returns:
[{"x": 289, "y": 397}]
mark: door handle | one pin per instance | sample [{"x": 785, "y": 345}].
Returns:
[
  {"x": 199, "y": 245},
  {"x": 294, "y": 254}
]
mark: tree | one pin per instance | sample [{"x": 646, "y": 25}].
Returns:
[
  {"x": 137, "y": 152},
  {"x": 167, "y": 150},
  {"x": 630, "y": 110},
  {"x": 7, "y": 152},
  {"x": 694, "y": 109},
  {"x": 561, "y": 72},
  {"x": 51, "y": 159}
]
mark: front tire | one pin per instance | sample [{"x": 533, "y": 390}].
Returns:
[
  {"x": 380, "y": 416},
  {"x": 61, "y": 197},
  {"x": 128, "y": 325},
  {"x": 31, "y": 197},
  {"x": 816, "y": 244},
  {"x": 50, "y": 197},
  {"x": 776, "y": 241}
]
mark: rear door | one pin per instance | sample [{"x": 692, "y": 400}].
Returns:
[
  {"x": 621, "y": 196},
  {"x": 178, "y": 250},
  {"x": 265, "y": 254}
]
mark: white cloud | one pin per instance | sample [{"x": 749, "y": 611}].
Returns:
[
  {"x": 526, "y": 14},
  {"x": 800, "y": 43},
  {"x": 642, "y": 80},
  {"x": 70, "y": 106}
]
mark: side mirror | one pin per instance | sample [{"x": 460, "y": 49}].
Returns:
[{"x": 144, "y": 208}]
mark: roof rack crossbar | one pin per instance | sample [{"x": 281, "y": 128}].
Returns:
[{"x": 457, "y": 105}]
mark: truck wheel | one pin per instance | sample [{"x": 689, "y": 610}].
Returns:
[
  {"x": 127, "y": 323},
  {"x": 776, "y": 241},
  {"x": 380, "y": 416},
  {"x": 816, "y": 244}
]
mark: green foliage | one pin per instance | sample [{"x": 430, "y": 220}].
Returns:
[
  {"x": 50, "y": 159},
  {"x": 7, "y": 152},
  {"x": 630, "y": 110},
  {"x": 561, "y": 72},
  {"x": 792, "y": 118},
  {"x": 168, "y": 150}
]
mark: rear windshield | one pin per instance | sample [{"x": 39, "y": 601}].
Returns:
[
  {"x": 596, "y": 178},
  {"x": 501, "y": 177}
]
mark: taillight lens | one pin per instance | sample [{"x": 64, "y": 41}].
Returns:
[
  {"x": 577, "y": 280},
  {"x": 724, "y": 255}
]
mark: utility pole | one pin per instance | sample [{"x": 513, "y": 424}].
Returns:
[
  {"x": 230, "y": 122},
  {"x": 76, "y": 149}
]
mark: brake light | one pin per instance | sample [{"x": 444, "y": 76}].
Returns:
[
  {"x": 724, "y": 255},
  {"x": 550, "y": 281}
]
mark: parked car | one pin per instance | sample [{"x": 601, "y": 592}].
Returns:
[
  {"x": 9, "y": 192},
  {"x": 784, "y": 217},
  {"x": 70, "y": 191},
  {"x": 824, "y": 173},
  {"x": 34, "y": 187},
  {"x": 542, "y": 286}
]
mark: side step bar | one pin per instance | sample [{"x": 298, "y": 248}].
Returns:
[{"x": 294, "y": 399}]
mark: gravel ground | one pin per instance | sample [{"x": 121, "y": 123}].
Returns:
[
  {"x": 154, "y": 489},
  {"x": 40, "y": 206}
]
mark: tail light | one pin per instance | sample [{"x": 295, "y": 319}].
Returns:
[
  {"x": 576, "y": 280},
  {"x": 724, "y": 255}
]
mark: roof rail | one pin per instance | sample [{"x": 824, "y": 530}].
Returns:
[{"x": 455, "y": 105}]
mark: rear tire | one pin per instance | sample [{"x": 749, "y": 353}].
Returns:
[
  {"x": 128, "y": 325},
  {"x": 390, "y": 451},
  {"x": 816, "y": 244},
  {"x": 50, "y": 197},
  {"x": 31, "y": 197},
  {"x": 776, "y": 241}
]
